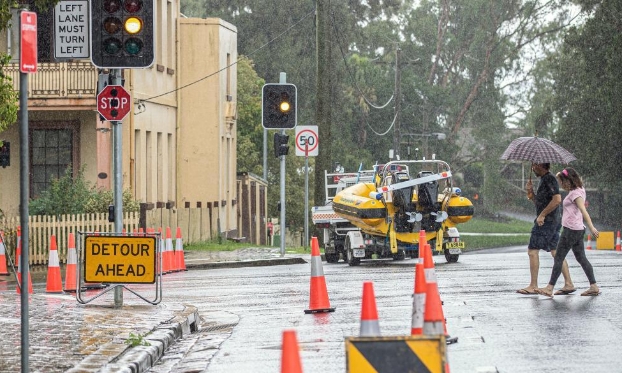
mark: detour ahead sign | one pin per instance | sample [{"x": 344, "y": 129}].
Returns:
[{"x": 120, "y": 259}]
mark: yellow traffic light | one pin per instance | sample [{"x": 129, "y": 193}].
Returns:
[
  {"x": 284, "y": 106},
  {"x": 133, "y": 25}
]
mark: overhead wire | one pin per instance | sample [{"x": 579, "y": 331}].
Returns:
[
  {"x": 337, "y": 32},
  {"x": 233, "y": 63}
]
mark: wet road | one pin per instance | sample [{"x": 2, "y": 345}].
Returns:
[{"x": 498, "y": 330}]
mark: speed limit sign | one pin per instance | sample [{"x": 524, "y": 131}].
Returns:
[{"x": 306, "y": 141}]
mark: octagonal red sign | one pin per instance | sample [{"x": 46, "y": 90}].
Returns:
[{"x": 113, "y": 103}]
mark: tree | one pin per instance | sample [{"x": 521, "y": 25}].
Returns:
[
  {"x": 586, "y": 105},
  {"x": 8, "y": 97}
]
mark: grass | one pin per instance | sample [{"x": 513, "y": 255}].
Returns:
[{"x": 519, "y": 228}]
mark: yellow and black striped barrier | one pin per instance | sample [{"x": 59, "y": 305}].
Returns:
[{"x": 408, "y": 354}]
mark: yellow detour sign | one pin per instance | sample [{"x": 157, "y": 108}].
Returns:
[
  {"x": 605, "y": 241},
  {"x": 411, "y": 354},
  {"x": 120, "y": 259}
]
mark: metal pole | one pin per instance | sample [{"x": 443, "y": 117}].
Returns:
[
  {"x": 306, "y": 241},
  {"x": 265, "y": 154},
  {"x": 282, "y": 80},
  {"x": 117, "y": 167},
  {"x": 24, "y": 173}
]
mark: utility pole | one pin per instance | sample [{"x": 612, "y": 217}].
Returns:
[
  {"x": 398, "y": 100},
  {"x": 322, "y": 94}
]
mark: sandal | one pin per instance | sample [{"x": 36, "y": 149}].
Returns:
[{"x": 545, "y": 292}]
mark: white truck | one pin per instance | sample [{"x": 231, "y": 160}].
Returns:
[{"x": 335, "y": 228}]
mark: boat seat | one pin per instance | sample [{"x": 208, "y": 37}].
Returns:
[
  {"x": 402, "y": 197},
  {"x": 427, "y": 193}
]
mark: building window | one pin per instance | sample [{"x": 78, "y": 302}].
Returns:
[{"x": 53, "y": 151}]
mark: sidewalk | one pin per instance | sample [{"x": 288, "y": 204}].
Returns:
[{"x": 66, "y": 336}]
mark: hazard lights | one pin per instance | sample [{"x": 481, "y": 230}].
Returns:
[{"x": 120, "y": 259}]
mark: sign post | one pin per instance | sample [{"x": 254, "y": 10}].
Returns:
[
  {"x": 27, "y": 64},
  {"x": 307, "y": 145}
]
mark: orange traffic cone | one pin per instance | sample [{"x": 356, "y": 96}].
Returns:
[
  {"x": 290, "y": 357},
  {"x": 589, "y": 242},
  {"x": 318, "y": 294},
  {"x": 618, "y": 242},
  {"x": 169, "y": 251},
  {"x": 18, "y": 256},
  {"x": 163, "y": 254},
  {"x": 369, "y": 314},
  {"x": 54, "y": 282},
  {"x": 179, "y": 252},
  {"x": 434, "y": 320},
  {"x": 72, "y": 263},
  {"x": 3, "y": 268},
  {"x": 418, "y": 299}
]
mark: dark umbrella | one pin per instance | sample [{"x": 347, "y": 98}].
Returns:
[{"x": 537, "y": 150}]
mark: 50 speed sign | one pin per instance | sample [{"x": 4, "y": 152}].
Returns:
[{"x": 307, "y": 141}]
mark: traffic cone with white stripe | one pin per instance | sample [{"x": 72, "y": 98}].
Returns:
[
  {"x": 434, "y": 320},
  {"x": 290, "y": 355},
  {"x": 618, "y": 242},
  {"x": 54, "y": 282},
  {"x": 369, "y": 313},
  {"x": 18, "y": 256},
  {"x": 3, "y": 269},
  {"x": 418, "y": 299},
  {"x": 163, "y": 253},
  {"x": 72, "y": 263},
  {"x": 318, "y": 294},
  {"x": 589, "y": 242},
  {"x": 179, "y": 252},
  {"x": 170, "y": 257}
]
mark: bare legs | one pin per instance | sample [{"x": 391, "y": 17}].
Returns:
[{"x": 534, "y": 268}]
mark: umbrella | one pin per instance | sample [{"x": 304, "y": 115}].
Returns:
[{"x": 537, "y": 150}]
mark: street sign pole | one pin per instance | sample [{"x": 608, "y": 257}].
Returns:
[
  {"x": 306, "y": 193},
  {"x": 27, "y": 64},
  {"x": 117, "y": 148}
]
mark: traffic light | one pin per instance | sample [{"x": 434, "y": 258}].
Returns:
[
  {"x": 278, "y": 109},
  {"x": 280, "y": 144},
  {"x": 5, "y": 154},
  {"x": 122, "y": 33}
]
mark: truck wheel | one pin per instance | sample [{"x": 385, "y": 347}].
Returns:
[
  {"x": 352, "y": 261},
  {"x": 451, "y": 258},
  {"x": 400, "y": 255},
  {"x": 332, "y": 258}
]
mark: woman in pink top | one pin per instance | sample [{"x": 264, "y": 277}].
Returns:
[{"x": 574, "y": 213}]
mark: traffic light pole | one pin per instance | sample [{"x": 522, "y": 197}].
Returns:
[
  {"x": 117, "y": 166},
  {"x": 282, "y": 80}
]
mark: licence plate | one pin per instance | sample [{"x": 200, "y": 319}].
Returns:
[
  {"x": 454, "y": 245},
  {"x": 359, "y": 253},
  {"x": 455, "y": 251}
]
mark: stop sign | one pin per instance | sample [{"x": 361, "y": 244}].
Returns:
[{"x": 113, "y": 102}]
